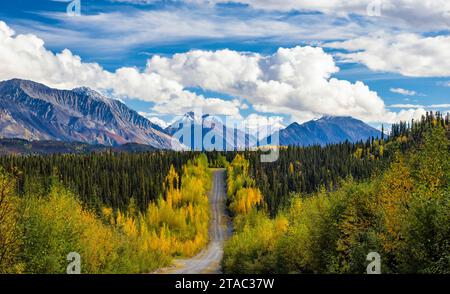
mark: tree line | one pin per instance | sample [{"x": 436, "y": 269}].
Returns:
[
  {"x": 309, "y": 169},
  {"x": 38, "y": 231},
  {"x": 402, "y": 212},
  {"x": 103, "y": 178}
]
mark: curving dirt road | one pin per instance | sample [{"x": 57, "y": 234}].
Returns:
[{"x": 209, "y": 259}]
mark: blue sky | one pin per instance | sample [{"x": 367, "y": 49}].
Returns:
[{"x": 126, "y": 34}]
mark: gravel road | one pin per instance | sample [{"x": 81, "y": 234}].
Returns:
[{"x": 209, "y": 259}]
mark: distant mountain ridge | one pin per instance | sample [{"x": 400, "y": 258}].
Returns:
[
  {"x": 209, "y": 127},
  {"x": 33, "y": 111},
  {"x": 326, "y": 130}
]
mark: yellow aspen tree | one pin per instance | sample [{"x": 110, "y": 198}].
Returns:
[
  {"x": 9, "y": 231},
  {"x": 395, "y": 193}
]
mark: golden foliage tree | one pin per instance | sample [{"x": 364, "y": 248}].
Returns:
[
  {"x": 394, "y": 195},
  {"x": 9, "y": 230}
]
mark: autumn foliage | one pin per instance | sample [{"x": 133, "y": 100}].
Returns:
[
  {"x": 403, "y": 213},
  {"x": 243, "y": 196},
  {"x": 52, "y": 225}
]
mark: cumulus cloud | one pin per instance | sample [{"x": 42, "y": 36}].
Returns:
[
  {"x": 405, "y": 115},
  {"x": 154, "y": 119},
  {"x": 262, "y": 126},
  {"x": 295, "y": 81},
  {"x": 25, "y": 56},
  {"x": 408, "y": 54}
]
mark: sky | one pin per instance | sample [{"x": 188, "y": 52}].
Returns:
[{"x": 267, "y": 61}]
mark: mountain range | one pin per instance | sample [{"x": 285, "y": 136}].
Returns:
[
  {"x": 214, "y": 133},
  {"x": 35, "y": 112},
  {"x": 326, "y": 130}
]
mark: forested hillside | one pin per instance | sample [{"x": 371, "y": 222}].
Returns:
[
  {"x": 307, "y": 169},
  {"x": 105, "y": 178},
  {"x": 401, "y": 212},
  {"x": 40, "y": 227}
]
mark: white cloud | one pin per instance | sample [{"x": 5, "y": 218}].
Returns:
[
  {"x": 418, "y": 106},
  {"x": 163, "y": 124},
  {"x": 166, "y": 25},
  {"x": 182, "y": 104},
  {"x": 406, "y": 115},
  {"x": 154, "y": 119},
  {"x": 263, "y": 126},
  {"x": 427, "y": 14},
  {"x": 424, "y": 14},
  {"x": 406, "y": 106},
  {"x": 439, "y": 106},
  {"x": 24, "y": 56},
  {"x": 408, "y": 54},
  {"x": 296, "y": 81},
  {"x": 403, "y": 92}
]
